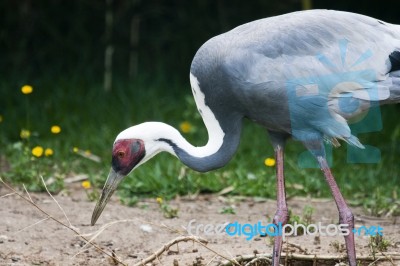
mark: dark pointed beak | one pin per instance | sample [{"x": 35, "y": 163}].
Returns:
[{"x": 109, "y": 187}]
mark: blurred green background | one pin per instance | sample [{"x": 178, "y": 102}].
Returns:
[{"x": 97, "y": 67}]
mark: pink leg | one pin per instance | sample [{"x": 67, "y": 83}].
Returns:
[
  {"x": 281, "y": 215},
  {"x": 345, "y": 214}
]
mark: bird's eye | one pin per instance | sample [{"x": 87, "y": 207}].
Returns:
[{"x": 120, "y": 154}]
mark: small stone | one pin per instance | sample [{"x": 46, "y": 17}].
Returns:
[
  {"x": 15, "y": 259},
  {"x": 146, "y": 228},
  {"x": 109, "y": 244},
  {"x": 317, "y": 240}
]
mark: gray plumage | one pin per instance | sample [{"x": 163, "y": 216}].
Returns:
[{"x": 245, "y": 72}]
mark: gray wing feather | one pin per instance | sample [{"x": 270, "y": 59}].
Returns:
[
  {"x": 256, "y": 69},
  {"x": 320, "y": 47}
]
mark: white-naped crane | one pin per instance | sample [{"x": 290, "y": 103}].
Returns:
[{"x": 279, "y": 73}]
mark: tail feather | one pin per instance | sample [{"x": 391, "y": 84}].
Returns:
[
  {"x": 394, "y": 76},
  {"x": 352, "y": 140},
  {"x": 394, "y": 58}
]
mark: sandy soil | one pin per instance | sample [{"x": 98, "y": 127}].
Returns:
[{"x": 142, "y": 230}]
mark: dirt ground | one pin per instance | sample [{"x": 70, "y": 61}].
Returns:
[{"x": 142, "y": 230}]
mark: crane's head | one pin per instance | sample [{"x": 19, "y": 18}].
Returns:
[{"x": 132, "y": 147}]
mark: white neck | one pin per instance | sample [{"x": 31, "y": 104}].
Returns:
[
  {"x": 156, "y": 130},
  {"x": 152, "y": 132},
  {"x": 162, "y": 137}
]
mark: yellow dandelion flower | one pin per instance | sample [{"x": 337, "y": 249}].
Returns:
[
  {"x": 88, "y": 152},
  {"x": 1, "y": 118},
  {"x": 37, "y": 151},
  {"x": 75, "y": 149},
  {"x": 269, "y": 162},
  {"x": 86, "y": 184},
  {"x": 27, "y": 89},
  {"x": 55, "y": 129},
  {"x": 159, "y": 200},
  {"x": 25, "y": 134},
  {"x": 48, "y": 152},
  {"x": 185, "y": 127}
]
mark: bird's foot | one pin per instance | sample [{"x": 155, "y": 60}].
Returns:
[{"x": 281, "y": 218}]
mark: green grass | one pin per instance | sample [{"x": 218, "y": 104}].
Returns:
[{"x": 90, "y": 119}]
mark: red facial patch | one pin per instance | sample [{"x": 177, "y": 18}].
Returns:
[{"x": 127, "y": 153}]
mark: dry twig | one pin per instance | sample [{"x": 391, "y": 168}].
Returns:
[
  {"x": 51, "y": 196},
  {"x": 205, "y": 246},
  {"x": 297, "y": 246},
  {"x": 255, "y": 261},
  {"x": 168, "y": 245},
  {"x": 6, "y": 195},
  {"x": 29, "y": 226},
  {"x": 70, "y": 227}
]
